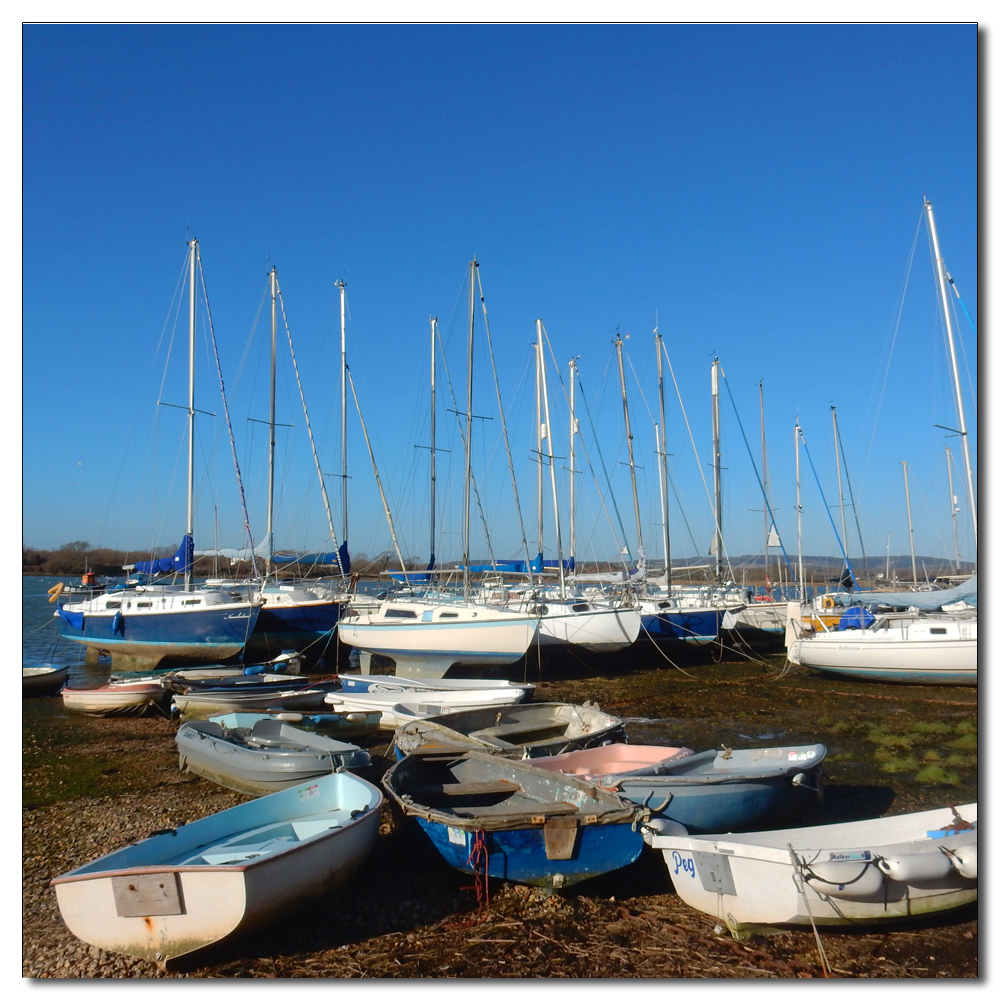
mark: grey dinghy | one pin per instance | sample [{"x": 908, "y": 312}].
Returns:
[
  {"x": 486, "y": 813},
  {"x": 535, "y": 729},
  {"x": 260, "y": 754},
  {"x": 182, "y": 890},
  {"x": 42, "y": 679}
]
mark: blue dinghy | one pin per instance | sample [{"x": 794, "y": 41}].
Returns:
[
  {"x": 715, "y": 791},
  {"x": 490, "y": 814}
]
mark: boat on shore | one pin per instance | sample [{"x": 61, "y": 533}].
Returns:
[
  {"x": 494, "y": 816},
  {"x": 178, "y": 892},
  {"x": 536, "y": 729},
  {"x": 859, "y": 874},
  {"x": 259, "y": 754},
  {"x": 42, "y": 679},
  {"x": 117, "y": 698}
]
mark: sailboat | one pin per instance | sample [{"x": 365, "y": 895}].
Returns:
[
  {"x": 145, "y": 624},
  {"x": 427, "y": 637}
]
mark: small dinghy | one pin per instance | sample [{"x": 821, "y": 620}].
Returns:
[
  {"x": 714, "y": 791},
  {"x": 42, "y": 679},
  {"x": 180, "y": 891},
  {"x": 489, "y": 815},
  {"x": 260, "y": 754},
  {"x": 858, "y": 874},
  {"x": 232, "y": 694},
  {"x": 117, "y": 698},
  {"x": 398, "y": 707},
  {"x": 357, "y": 683},
  {"x": 537, "y": 729}
]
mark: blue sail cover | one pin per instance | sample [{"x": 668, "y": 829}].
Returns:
[
  {"x": 180, "y": 562},
  {"x": 928, "y": 600},
  {"x": 319, "y": 558},
  {"x": 538, "y": 564}
]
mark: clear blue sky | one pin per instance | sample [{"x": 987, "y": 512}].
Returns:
[{"x": 756, "y": 190}]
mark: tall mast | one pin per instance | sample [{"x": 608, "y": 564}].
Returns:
[
  {"x": 468, "y": 430},
  {"x": 840, "y": 488},
  {"x": 270, "y": 438},
  {"x": 909, "y": 521},
  {"x": 628, "y": 435},
  {"x": 957, "y": 385},
  {"x": 717, "y": 470},
  {"x": 539, "y": 435},
  {"x": 193, "y": 244},
  {"x": 763, "y": 472},
  {"x": 661, "y": 449},
  {"x": 433, "y": 431},
  {"x": 551, "y": 458},
  {"x": 574, "y": 427},
  {"x": 343, "y": 404},
  {"x": 953, "y": 504},
  {"x": 798, "y": 510}
]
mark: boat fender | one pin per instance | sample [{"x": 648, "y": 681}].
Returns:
[
  {"x": 923, "y": 867},
  {"x": 965, "y": 860},
  {"x": 55, "y": 592},
  {"x": 660, "y": 827},
  {"x": 844, "y": 879}
]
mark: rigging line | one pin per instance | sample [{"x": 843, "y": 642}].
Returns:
[
  {"x": 687, "y": 424},
  {"x": 826, "y": 507},
  {"x": 753, "y": 464},
  {"x": 610, "y": 491},
  {"x": 229, "y": 425},
  {"x": 850, "y": 493},
  {"x": 892, "y": 347},
  {"x": 503, "y": 426},
  {"x": 378, "y": 479},
  {"x": 472, "y": 475},
  {"x": 312, "y": 442}
]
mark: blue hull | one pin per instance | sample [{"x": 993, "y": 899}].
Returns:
[
  {"x": 202, "y": 636},
  {"x": 685, "y": 626},
  {"x": 519, "y": 855},
  {"x": 722, "y": 808},
  {"x": 309, "y": 628}
]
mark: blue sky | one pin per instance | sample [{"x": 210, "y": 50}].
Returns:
[{"x": 755, "y": 190}]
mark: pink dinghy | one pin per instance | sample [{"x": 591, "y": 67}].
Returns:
[{"x": 615, "y": 758}]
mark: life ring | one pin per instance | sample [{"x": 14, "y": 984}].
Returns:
[
  {"x": 55, "y": 592},
  {"x": 829, "y": 602}
]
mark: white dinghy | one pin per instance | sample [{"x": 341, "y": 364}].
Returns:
[
  {"x": 180, "y": 891},
  {"x": 863, "y": 873}
]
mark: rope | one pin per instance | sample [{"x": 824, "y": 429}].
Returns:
[
  {"x": 479, "y": 861},
  {"x": 799, "y": 880}
]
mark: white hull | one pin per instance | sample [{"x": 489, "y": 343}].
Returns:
[
  {"x": 768, "y": 616},
  {"x": 400, "y": 707},
  {"x": 114, "y": 699},
  {"x": 749, "y": 881},
  {"x": 431, "y": 638},
  {"x": 911, "y": 654},
  {"x": 169, "y": 896},
  {"x": 599, "y": 630}
]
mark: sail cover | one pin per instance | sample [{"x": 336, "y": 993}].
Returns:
[
  {"x": 179, "y": 562},
  {"x": 929, "y": 600}
]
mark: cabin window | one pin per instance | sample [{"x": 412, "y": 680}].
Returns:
[
  {"x": 113, "y": 604},
  {"x": 939, "y": 631},
  {"x": 399, "y": 613},
  {"x": 449, "y": 614},
  {"x": 580, "y": 607},
  {"x": 543, "y": 609},
  {"x": 144, "y": 604},
  {"x": 195, "y": 601}
]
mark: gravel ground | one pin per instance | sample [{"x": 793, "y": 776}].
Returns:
[{"x": 406, "y": 913}]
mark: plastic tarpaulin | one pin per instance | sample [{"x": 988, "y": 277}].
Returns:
[
  {"x": 928, "y": 600},
  {"x": 179, "y": 562}
]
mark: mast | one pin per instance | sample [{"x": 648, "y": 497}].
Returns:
[
  {"x": 343, "y": 404},
  {"x": 193, "y": 244},
  {"x": 552, "y": 464},
  {"x": 798, "y": 511},
  {"x": 661, "y": 449},
  {"x": 628, "y": 436},
  {"x": 764, "y": 484},
  {"x": 717, "y": 471},
  {"x": 433, "y": 432},
  {"x": 539, "y": 435},
  {"x": 909, "y": 521},
  {"x": 953, "y": 503},
  {"x": 468, "y": 431},
  {"x": 574, "y": 427},
  {"x": 840, "y": 488},
  {"x": 957, "y": 385},
  {"x": 271, "y": 415}
]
